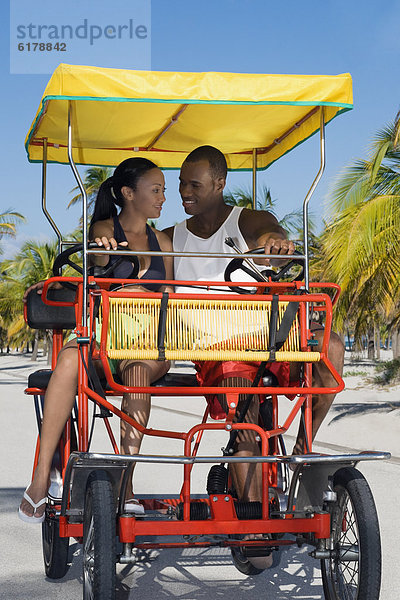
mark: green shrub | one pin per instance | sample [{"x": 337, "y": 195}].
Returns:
[
  {"x": 389, "y": 371},
  {"x": 354, "y": 373}
]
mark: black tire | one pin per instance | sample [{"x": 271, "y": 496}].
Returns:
[
  {"x": 243, "y": 564},
  {"x": 355, "y": 528},
  {"x": 99, "y": 547},
  {"x": 55, "y": 549}
]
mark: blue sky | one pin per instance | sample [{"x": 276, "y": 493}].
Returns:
[{"x": 254, "y": 36}]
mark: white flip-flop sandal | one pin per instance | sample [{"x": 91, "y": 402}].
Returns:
[
  {"x": 133, "y": 506},
  {"x": 32, "y": 518}
]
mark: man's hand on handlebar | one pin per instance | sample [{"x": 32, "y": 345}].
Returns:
[{"x": 275, "y": 244}]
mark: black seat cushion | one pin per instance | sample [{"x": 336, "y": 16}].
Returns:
[
  {"x": 44, "y": 316},
  {"x": 40, "y": 379}
]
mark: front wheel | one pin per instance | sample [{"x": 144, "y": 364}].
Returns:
[
  {"x": 99, "y": 530},
  {"x": 353, "y": 572},
  {"x": 55, "y": 549}
]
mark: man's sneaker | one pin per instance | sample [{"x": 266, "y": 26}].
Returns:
[
  {"x": 56, "y": 485},
  {"x": 133, "y": 506}
]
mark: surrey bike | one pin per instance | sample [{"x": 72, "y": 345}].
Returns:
[{"x": 322, "y": 501}]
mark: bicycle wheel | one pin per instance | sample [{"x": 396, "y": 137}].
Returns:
[
  {"x": 99, "y": 530},
  {"x": 353, "y": 572},
  {"x": 55, "y": 549},
  {"x": 243, "y": 564}
]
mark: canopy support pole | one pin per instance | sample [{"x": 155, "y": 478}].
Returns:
[
  {"x": 172, "y": 122},
  {"x": 44, "y": 207},
  {"x": 84, "y": 217},
  {"x": 254, "y": 178},
  {"x": 310, "y": 193}
]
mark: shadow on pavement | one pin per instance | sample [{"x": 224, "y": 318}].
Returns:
[
  {"x": 10, "y": 499},
  {"x": 188, "y": 573},
  {"x": 358, "y": 409},
  {"x": 13, "y": 368},
  {"x": 200, "y": 573}
]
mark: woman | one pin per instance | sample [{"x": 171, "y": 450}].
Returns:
[{"x": 137, "y": 187}]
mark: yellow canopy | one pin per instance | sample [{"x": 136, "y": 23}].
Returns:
[{"x": 164, "y": 115}]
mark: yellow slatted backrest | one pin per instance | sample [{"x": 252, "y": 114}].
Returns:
[{"x": 198, "y": 329}]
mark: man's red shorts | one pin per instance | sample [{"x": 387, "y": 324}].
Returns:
[{"x": 210, "y": 374}]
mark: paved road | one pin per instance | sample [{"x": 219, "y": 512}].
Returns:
[{"x": 185, "y": 574}]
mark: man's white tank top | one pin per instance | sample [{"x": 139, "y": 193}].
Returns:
[{"x": 207, "y": 269}]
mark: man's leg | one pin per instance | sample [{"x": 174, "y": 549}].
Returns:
[
  {"x": 321, "y": 403},
  {"x": 246, "y": 477}
]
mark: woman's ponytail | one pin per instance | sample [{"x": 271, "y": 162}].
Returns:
[{"x": 104, "y": 207}]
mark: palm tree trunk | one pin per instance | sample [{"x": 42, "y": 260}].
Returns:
[
  {"x": 35, "y": 347},
  {"x": 377, "y": 336},
  {"x": 49, "y": 344},
  {"x": 371, "y": 345},
  {"x": 396, "y": 343}
]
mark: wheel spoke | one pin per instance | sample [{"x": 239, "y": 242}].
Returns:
[
  {"x": 88, "y": 561},
  {"x": 353, "y": 570},
  {"x": 345, "y": 562}
]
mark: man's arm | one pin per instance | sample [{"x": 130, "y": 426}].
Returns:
[{"x": 261, "y": 229}]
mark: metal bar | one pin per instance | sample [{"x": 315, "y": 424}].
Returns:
[
  {"x": 190, "y": 254},
  {"x": 310, "y": 193},
  {"x": 69, "y": 242},
  {"x": 221, "y": 544},
  {"x": 280, "y": 139},
  {"x": 172, "y": 122},
  {"x": 44, "y": 207},
  {"x": 84, "y": 217},
  {"x": 86, "y": 458},
  {"x": 254, "y": 178},
  {"x": 252, "y": 266}
]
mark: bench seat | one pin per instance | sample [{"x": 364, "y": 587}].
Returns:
[{"x": 40, "y": 380}]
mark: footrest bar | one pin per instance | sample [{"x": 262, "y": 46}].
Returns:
[{"x": 93, "y": 458}]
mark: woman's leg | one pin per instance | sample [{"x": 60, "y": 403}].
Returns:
[
  {"x": 137, "y": 373},
  {"x": 58, "y": 403}
]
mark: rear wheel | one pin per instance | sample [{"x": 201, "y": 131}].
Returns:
[
  {"x": 55, "y": 549},
  {"x": 99, "y": 548},
  {"x": 354, "y": 570},
  {"x": 247, "y": 566},
  {"x": 243, "y": 564}
]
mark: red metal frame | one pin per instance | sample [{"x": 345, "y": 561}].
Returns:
[{"x": 223, "y": 516}]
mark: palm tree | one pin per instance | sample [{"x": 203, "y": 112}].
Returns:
[
  {"x": 361, "y": 243},
  {"x": 32, "y": 263},
  {"x": 244, "y": 198},
  {"x": 8, "y": 223},
  {"x": 94, "y": 177},
  {"x": 291, "y": 222}
]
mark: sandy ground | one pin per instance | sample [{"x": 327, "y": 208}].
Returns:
[{"x": 364, "y": 417}]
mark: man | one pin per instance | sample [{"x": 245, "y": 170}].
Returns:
[{"x": 202, "y": 181}]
